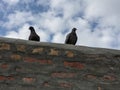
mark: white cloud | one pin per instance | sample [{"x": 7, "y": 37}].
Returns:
[
  {"x": 64, "y": 15},
  {"x": 44, "y": 35},
  {"x": 103, "y": 8},
  {"x": 58, "y": 37},
  {"x": 22, "y": 33},
  {"x": 54, "y": 24},
  {"x": 18, "y": 19},
  {"x": 43, "y": 2},
  {"x": 11, "y": 2},
  {"x": 68, "y": 8}
]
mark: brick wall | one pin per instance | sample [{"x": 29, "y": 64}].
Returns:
[{"x": 28, "y": 65}]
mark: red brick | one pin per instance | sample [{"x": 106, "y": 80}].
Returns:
[
  {"x": 63, "y": 75},
  {"x": 4, "y": 66},
  {"x": 77, "y": 65},
  {"x": 32, "y": 60},
  {"x": 29, "y": 80},
  {"x": 45, "y": 61},
  {"x": 7, "y": 78},
  {"x": 10, "y": 78},
  {"x": 2, "y": 78}
]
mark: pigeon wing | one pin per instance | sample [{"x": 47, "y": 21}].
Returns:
[
  {"x": 67, "y": 39},
  {"x": 34, "y": 37}
]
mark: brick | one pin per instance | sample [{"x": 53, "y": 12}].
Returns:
[
  {"x": 99, "y": 88},
  {"x": 37, "y": 50},
  {"x": 94, "y": 56},
  {"x": 100, "y": 58},
  {"x": 54, "y": 52},
  {"x": 30, "y": 60},
  {"x": 33, "y": 60},
  {"x": 46, "y": 84},
  {"x": 109, "y": 77},
  {"x": 69, "y": 54},
  {"x": 21, "y": 48},
  {"x": 65, "y": 85},
  {"x": 16, "y": 57},
  {"x": 29, "y": 80},
  {"x": 63, "y": 75},
  {"x": 18, "y": 69},
  {"x": 6, "y": 78},
  {"x": 2, "y": 78},
  {"x": 4, "y": 46},
  {"x": 10, "y": 78},
  {"x": 0, "y": 57},
  {"x": 45, "y": 61},
  {"x": 4, "y": 66},
  {"x": 76, "y": 65},
  {"x": 90, "y": 76},
  {"x": 90, "y": 55}
]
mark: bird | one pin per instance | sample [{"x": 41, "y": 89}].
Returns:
[
  {"x": 71, "y": 38},
  {"x": 33, "y": 35}
]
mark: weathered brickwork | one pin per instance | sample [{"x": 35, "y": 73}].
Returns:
[
  {"x": 15, "y": 57},
  {"x": 54, "y": 52},
  {"x": 31, "y": 60},
  {"x": 69, "y": 54},
  {"x": 21, "y": 48},
  {"x": 4, "y": 66},
  {"x": 63, "y": 75},
  {"x": 4, "y": 46},
  {"x": 29, "y": 65},
  {"x": 37, "y": 50},
  {"x": 3, "y": 78},
  {"x": 29, "y": 80},
  {"x": 74, "y": 64}
]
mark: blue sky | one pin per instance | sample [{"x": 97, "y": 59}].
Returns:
[{"x": 97, "y": 21}]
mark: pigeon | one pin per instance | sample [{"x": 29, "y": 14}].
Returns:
[
  {"x": 33, "y": 35},
  {"x": 71, "y": 38}
]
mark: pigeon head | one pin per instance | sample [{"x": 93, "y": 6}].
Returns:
[
  {"x": 74, "y": 29},
  {"x": 31, "y": 28}
]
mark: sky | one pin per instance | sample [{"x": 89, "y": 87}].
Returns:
[{"x": 97, "y": 21}]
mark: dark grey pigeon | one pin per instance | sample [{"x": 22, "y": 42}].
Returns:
[
  {"x": 71, "y": 38},
  {"x": 33, "y": 35}
]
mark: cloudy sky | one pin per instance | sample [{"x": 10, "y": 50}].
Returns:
[{"x": 97, "y": 21}]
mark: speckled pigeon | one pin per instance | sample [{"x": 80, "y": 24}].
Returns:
[
  {"x": 71, "y": 38},
  {"x": 33, "y": 35}
]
